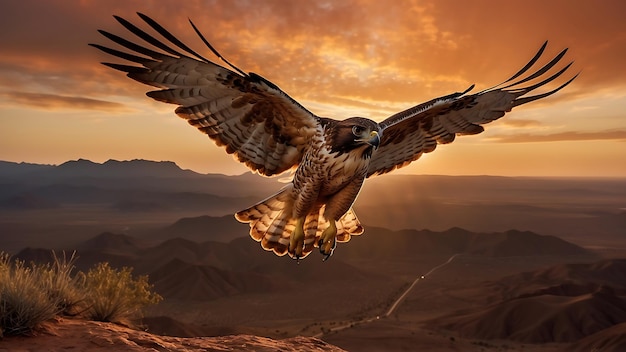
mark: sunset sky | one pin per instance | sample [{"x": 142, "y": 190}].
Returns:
[{"x": 339, "y": 59}]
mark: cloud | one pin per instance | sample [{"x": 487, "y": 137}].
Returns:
[
  {"x": 339, "y": 58},
  {"x": 51, "y": 101},
  {"x": 616, "y": 135},
  {"x": 437, "y": 46}
]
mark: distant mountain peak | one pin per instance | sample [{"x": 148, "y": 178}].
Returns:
[
  {"x": 143, "y": 162},
  {"x": 112, "y": 241},
  {"x": 123, "y": 168},
  {"x": 12, "y": 169},
  {"x": 79, "y": 161}
]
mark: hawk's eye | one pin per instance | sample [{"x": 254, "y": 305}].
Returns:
[{"x": 357, "y": 130}]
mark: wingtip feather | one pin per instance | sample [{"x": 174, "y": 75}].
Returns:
[{"x": 525, "y": 100}]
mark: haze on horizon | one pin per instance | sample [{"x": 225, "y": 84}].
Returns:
[{"x": 338, "y": 59}]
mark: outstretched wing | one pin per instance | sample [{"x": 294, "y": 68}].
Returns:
[
  {"x": 410, "y": 133},
  {"x": 251, "y": 117}
]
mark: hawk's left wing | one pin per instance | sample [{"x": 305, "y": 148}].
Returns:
[
  {"x": 250, "y": 116},
  {"x": 410, "y": 133}
]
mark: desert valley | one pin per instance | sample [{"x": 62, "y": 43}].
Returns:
[{"x": 446, "y": 263}]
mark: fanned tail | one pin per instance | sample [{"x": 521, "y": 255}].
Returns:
[
  {"x": 272, "y": 224},
  {"x": 271, "y": 221}
]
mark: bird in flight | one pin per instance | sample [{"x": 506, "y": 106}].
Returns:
[{"x": 271, "y": 133}]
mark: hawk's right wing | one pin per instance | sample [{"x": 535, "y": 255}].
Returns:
[{"x": 250, "y": 116}]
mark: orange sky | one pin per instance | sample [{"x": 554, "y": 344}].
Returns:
[{"x": 339, "y": 59}]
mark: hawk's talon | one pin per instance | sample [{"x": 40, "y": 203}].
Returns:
[
  {"x": 296, "y": 241},
  {"x": 325, "y": 258},
  {"x": 327, "y": 241},
  {"x": 328, "y": 248}
]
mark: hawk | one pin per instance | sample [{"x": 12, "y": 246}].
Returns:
[{"x": 271, "y": 133}]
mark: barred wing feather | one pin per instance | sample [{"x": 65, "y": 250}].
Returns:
[{"x": 250, "y": 116}]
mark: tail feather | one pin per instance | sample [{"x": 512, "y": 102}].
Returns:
[
  {"x": 347, "y": 226},
  {"x": 272, "y": 224}
]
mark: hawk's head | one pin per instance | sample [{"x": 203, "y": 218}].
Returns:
[{"x": 354, "y": 134}]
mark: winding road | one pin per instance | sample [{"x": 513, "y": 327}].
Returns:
[{"x": 395, "y": 304}]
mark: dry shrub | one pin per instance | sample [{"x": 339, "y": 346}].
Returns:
[
  {"x": 32, "y": 294},
  {"x": 115, "y": 296},
  {"x": 24, "y": 299},
  {"x": 63, "y": 288}
]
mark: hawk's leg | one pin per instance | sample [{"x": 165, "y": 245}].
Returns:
[
  {"x": 327, "y": 242},
  {"x": 296, "y": 241}
]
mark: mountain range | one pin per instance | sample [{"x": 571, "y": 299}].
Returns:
[
  {"x": 547, "y": 305},
  {"x": 562, "y": 303},
  {"x": 160, "y": 192},
  {"x": 466, "y": 260}
]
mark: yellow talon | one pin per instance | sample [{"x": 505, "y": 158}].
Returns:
[
  {"x": 296, "y": 241},
  {"x": 327, "y": 240}
]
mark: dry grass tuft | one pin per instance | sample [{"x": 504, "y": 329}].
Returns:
[
  {"x": 24, "y": 299},
  {"x": 35, "y": 293},
  {"x": 115, "y": 296}
]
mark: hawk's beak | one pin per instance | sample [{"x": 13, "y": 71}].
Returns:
[{"x": 374, "y": 140}]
